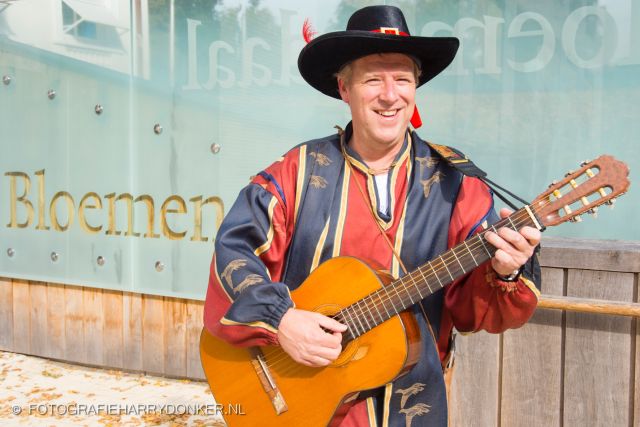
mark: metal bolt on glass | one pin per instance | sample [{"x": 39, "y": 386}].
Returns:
[
  {"x": 159, "y": 266},
  {"x": 51, "y": 94},
  {"x": 100, "y": 261},
  {"x": 6, "y": 79},
  {"x": 215, "y": 148},
  {"x": 157, "y": 129},
  {"x": 54, "y": 256},
  {"x": 98, "y": 109},
  {"x": 11, "y": 252}
]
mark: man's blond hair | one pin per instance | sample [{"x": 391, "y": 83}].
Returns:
[{"x": 346, "y": 72}]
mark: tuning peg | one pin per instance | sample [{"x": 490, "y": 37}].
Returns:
[
  {"x": 569, "y": 173},
  {"x": 576, "y": 218},
  {"x": 553, "y": 183},
  {"x": 585, "y": 163},
  {"x": 593, "y": 211},
  {"x": 610, "y": 202}
]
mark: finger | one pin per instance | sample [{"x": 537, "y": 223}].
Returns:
[
  {"x": 315, "y": 361},
  {"x": 332, "y": 340},
  {"x": 532, "y": 235},
  {"x": 330, "y": 354},
  {"x": 503, "y": 263},
  {"x": 504, "y": 212},
  {"x": 515, "y": 240},
  {"x": 331, "y": 324}
]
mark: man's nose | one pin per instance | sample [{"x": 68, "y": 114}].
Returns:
[{"x": 389, "y": 91}]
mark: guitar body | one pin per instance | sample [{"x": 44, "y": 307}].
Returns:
[{"x": 305, "y": 395}]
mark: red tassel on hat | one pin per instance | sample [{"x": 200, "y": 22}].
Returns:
[{"x": 416, "y": 121}]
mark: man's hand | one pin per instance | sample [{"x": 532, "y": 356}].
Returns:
[
  {"x": 302, "y": 335},
  {"x": 513, "y": 248}
]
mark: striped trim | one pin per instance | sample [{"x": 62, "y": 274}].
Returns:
[
  {"x": 342, "y": 216},
  {"x": 529, "y": 284},
  {"x": 266, "y": 245},
  {"x": 388, "y": 390},
  {"x": 302, "y": 166},
  {"x": 395, "y": 265},
  {"x": 371, "y": 412},
  {"x": 320, "y": 246},
  {"x": 262, "y": 325},
  {"x": 267, "y": 176}
]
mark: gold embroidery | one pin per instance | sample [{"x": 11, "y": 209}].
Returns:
[
  {"x": 408, "y": 392},
  {"x": 317, "y": 181},
  {"x": 427, "y": 183},
  {"x": 251, "y": 279},
  {"x": 427, "y": 162},
  {"x": 230, "y": 268},
  {"x": 415, "y": 410},
  {"x": 321, "y": 159}
]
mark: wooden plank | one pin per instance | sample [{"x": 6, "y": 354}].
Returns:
[
  {"x": 194, "y": 327},
  {"x": 113, "y": 329},
  {"x": 21, "y": 317},
  {"x": 532, "y": 365},
  {"x": 132, "y": 330},
  {"x": 598, "y": 353},
  {"x": 74, "y": 349},
  {"x": 153, "y": 346},
  {"x": 175, "y": 338},
  {"x": 56, "y": 321},
  {"x": 6, "y": 314},
  {"x": 93, "y": 326},
  {"x": 589, "y": 305},
  {"x": 636, "y": 385},
  {"x": 606, "y": 255},
  {"x": 474, "y": 391},
  {"x": 38, "y": 313}
]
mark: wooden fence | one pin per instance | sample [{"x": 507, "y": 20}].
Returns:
[{"x": 561, "y": 369}]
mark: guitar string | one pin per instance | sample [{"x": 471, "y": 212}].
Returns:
[
  {"x": 359, "y": 312},
  {"x": 356, "y": 310}
]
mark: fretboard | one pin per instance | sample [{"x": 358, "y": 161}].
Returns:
[{"x": 424, "y": 281}]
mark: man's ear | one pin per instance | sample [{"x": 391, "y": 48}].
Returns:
[{"x": 344, "y": 93}]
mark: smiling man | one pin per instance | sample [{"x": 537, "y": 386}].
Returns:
[{"x": 377, "y": 192}]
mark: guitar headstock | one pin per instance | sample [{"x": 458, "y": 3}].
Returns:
[{"x": 595, "y": 183}]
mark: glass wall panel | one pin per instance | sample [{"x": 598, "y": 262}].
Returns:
[{"x": 129, "y": 126}]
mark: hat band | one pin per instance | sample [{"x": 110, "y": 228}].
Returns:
[{"x": 390, "y": 30}]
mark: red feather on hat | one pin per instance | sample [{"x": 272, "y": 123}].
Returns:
[{"x": 307, "y": 31}]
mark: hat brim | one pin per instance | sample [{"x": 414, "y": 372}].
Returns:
[{"x": 323, "y": 57}]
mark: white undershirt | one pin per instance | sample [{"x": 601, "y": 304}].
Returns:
[{"x": 381, "y": 185}]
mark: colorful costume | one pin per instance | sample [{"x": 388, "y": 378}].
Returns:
[{"x": 306, "y": 208}]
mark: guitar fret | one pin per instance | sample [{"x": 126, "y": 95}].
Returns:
[
  {"x": 481, "y": 238},
  {"x": 376, "y": 307},
  {"x": 470, "y": 253},
  {"x": 447, "y": 268},
  {"x": 436, "y": 274},
  {"x": 512, "y": 224},
  {"x": 391, "y": 299},
  {"x": 384, "y": 305},
  {"x": 407, "y": 291},
  {"x": 425, "y": 281},
  {"x": 456, "y": 257},
  {"x": 355, "y": 316},
  {"x": 350, "y": 324},
  {"x": 364, "y": 317},
  {"x": 370, "y": 313}
]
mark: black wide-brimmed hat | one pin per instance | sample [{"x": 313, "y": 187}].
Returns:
[{"x": 373, "y": 29}]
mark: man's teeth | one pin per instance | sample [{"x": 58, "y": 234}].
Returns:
[{"x": 388, "y": 113}]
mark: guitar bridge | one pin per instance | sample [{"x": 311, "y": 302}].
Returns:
[{"x": 268, "y": 383}]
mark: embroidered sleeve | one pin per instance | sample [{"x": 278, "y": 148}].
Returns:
[{"x": 245, "y": 297}]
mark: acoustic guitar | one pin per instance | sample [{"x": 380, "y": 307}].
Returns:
[{"x": 263, "y": 386}]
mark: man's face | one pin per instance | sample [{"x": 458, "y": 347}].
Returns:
[{"x": 381, "y": 95}]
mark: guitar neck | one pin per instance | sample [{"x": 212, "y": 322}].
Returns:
[{"x": 427, "y": 279}]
